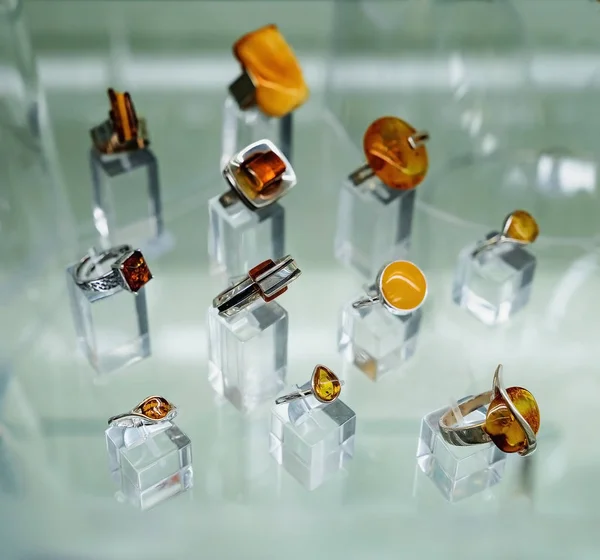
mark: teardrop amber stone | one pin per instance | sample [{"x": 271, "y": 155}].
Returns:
[
  {"x": 325, "y": 384},
  {"x": 403, "y": 285},
  {"x": 156, "y": 408},
  {"x": 521, "y": 226}
]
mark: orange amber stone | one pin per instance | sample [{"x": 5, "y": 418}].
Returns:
[
  {"x": 391, "y": 157},
  {"x": 275, "y": 72},
  {"x": 264, "y": 170},
  {"x": 156, "y": 408},
  {"x": 325, "y": 384},
  {"x": 521, "y": 226},
  {"x": 403, "y": 285},
  {"x": 135, "y": 271},
  {"x": 501, "y": 425},
  {"x": 123, "y": 116}
]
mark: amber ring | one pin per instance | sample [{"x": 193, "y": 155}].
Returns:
[
  {"x": 259, "y": 175},
  {"x": 324, "y": 385},
  {"x": 152, "y": 410},
  {"x": 519, "y": 228},
  {"x": 266, "y": 281},
  {"x": 400, "y": 286},
  {"x": 128, "y": 270},
  {"x": 511, "y": 423}
]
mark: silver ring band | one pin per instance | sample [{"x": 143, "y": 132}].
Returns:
[{"x": 88, "y": 281}]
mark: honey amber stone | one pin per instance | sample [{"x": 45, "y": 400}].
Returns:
[
  {"x": 135, "y": 271},
  {"x": 403, "y": 285},
  {"x": 156, "y": 408},
  {"x": 503, "y": 428},
  {"x": 391, "y": 157},
  {"x": 325, "y": 384},
  {"x": 123, "y": 115},
  {"x": 521, "y": 226},
  {"x": 264, "y": 170},
  {"x": 275, "y": 72}
]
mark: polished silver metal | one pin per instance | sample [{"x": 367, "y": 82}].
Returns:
[
  {"x": 474, "y": 433},
  {"x": 308, "y": 389},
  {"x": 418, "y": 139},
  {"x": 135, "y": 417},
  {"x": 267, "y": 285},
  {"x": 498, "y": 238}
]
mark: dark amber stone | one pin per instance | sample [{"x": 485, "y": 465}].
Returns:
[
  {"x": 156, "y": 408},
  {"x": 135, "y": 271}
]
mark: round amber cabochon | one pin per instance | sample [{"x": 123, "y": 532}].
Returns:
[
  {"x": 521, "y": 226},
  {"x": 403, "y": 285},
  {"x": 391, "y": 157}
]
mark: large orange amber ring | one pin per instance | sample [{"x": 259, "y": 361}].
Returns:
[
  {"x": 512, "y": 419},
  {"x": 401, "y": 287},
  {"x": 324, "y": 385},
  {"x": 519, "y": 228},
  {"x": 151, "y": 410},
  {"x": 259, "y": 175}
]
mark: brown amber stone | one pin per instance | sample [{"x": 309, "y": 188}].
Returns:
[
  {"x": 156, "y": 408},
  {"x": 501, "y": 425},
  {"x": 403, "y": 285},
  {"x": 275, "y": 72},
  {"x": 325, "y": 384},
  {"x": 521, "y": 226},
  {"x": 123, "y": 116},
  {"x": 390, "y": 155},
  {"x": 135, "y": 271},
  {"x": 264, "y": 170},
  {"x": 259, "y": 269}
]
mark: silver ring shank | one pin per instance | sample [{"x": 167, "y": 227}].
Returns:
[
  {"x": 293, "y": 396},
  {"x": 84, "y": 272},
  {"x": 466, "y": 434}
]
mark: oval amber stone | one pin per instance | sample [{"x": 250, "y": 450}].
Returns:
[
  {"x": 393, "y": 160},
  {"x": 156, "y": 408},
  {"x": 521, "y": 226},
  {"x": 325, "y": 384},
  {"x": 502, "y": 426},
  {"x": 403, "y": 285}
]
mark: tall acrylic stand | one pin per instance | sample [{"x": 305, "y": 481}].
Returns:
[
  {"x": 458, "y": 472},
  {"x": 310, "y": 440},
  {"x": 243, "y": 127},
  {"x": 239, "y": 237},
  {"x": 111, "y": 327},
  {"x": 149, "y": 464},
  {"x": 127, "y": 202},
  {"x": 376, "y": 341},
  {"x": 374, "y": 225},
  {"x": 247, "y": 360},
  {"x": 496, "y": 283}
]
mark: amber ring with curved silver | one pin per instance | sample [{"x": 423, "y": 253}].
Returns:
[
  {"x": 519, "y": 228},
  {"x": 324, "y": 385},
  {"x": 152, "y": 410},
  {"x": 511, "y": 423}
]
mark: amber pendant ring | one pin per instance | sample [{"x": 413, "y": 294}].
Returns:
[
  {"x": 519, "y": 228},
  {"x": 128, "y": 270},
  {"x": 325, "y": 386},
  {"x": 511, "y": 423},
  {"x": 152, "y": 410},
  {"x": 265, "y": 281},
  {"x": 401, "y": 287}
]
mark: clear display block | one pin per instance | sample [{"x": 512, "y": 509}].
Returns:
[
  {"x": 243, "y": 127},
  {"x": 310, "y": 440},
  {"x": 496, "y": 283},
  {"x": 149, "y": 464},
  {"x": 373, "y": 226},
  {"x": 127, "y": 203},
  {"x": 458, "y": 472},
  {"x": 111, "y": 327},
  {"x": 240, "y": 238},
  {"x": 375, "y": 340},
  {"x": 247, "y": 354}
]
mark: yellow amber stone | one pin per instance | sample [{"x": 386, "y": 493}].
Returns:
[
  {"x": 501, "y": 425},
  {"x": 403, "y": 285},
  {"x": 390, "y": 155},
  {"x": 325, "y": 384},
  {"x": 274, "y": 69},
  {"x": 521, "y": 226}
]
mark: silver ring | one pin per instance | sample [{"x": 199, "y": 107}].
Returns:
[
  {"x": 504, "y": 425},
  {"x": 325, "y": 386},
  {"x": 152, "y": 410},
  {"x": 266, "y": 281},
  {"x": 128, "y": 270}
]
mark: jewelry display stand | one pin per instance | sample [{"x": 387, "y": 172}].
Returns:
[
  {"x": 458, "y": 472},
  {"x": 243, "y": 127},
  {"x": 151, "y": 463},
  {"x": 310, "y": 440},
  {"x": 373, "y": 226},
  {"x": 127, "y": 203},
  {"x": 247, "y": 361},
  {"x": 239, "y": 237},
  {"x": 496, "y": 283},
  {"x": 111, "y": 327},
  {"x": 375, "y": 340}
]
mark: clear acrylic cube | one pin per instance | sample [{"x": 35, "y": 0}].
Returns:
[
  {"x": 496, "y": 283},
  {"x": 376, "y": 341},
  {"x": 373, "y": 226},
  {"x": 240, "y": 238},
  {"x": 149, "y": 464},
  {"x": 458, "y": 472},
  {"x": 111, "y": 327},
  {"x": 310, "y": 440},
  {"x": 248, "y": 352}
]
